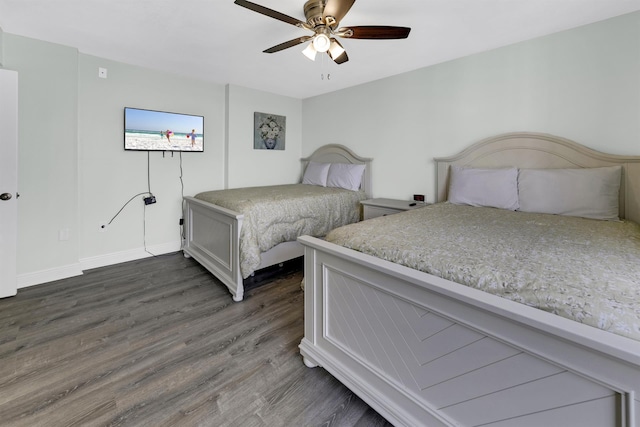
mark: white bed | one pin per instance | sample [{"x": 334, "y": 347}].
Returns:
[
  {"x": 486, "y": 360},
  {"x": 212, "y": 233}
]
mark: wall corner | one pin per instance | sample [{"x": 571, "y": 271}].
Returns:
[{"x": 1, "y": 48}]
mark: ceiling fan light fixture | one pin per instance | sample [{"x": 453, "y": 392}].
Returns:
[
  {"x": 321, "y": 43},
  {"x": 310, "y": 52},
  {"x": 335, "y": 49}
]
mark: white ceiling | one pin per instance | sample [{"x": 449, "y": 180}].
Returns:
[{"x": 218, "y": 41}]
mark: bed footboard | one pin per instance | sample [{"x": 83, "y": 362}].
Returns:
[
  {"x": 212, "y": 237},
  {"x": 425, "y": 351}
]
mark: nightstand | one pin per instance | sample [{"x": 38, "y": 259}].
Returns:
[{"x": 380, "y": 207}]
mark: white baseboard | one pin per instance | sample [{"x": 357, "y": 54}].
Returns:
[
  {"x": 131, "y": 255},
  {"x": 64, "y": 272},
  {"x": 49, "y": 275}
]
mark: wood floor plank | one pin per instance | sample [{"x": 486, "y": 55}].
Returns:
[{"x": 159, "y": 342}]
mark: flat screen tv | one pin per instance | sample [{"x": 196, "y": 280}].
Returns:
[{"x": 149, "y": 130}]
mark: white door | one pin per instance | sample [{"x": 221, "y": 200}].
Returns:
[{"x": 8, "y": 181}]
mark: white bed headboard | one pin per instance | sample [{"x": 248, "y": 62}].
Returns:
[
  {"x": 336, "y": 153},
  {"x": 538, "y": 150}
]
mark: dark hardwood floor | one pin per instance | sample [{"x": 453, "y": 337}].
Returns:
[{"x": 159, "y": 342}]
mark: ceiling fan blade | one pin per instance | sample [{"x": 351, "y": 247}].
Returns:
[
  {"x": 377, "y": 32},
  {"x": 287, "y": 45},
  {"x": 337, "y": 8},
  {"x": 270, "y": 12}
]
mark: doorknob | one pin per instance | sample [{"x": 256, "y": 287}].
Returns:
[{"x": 5, "y": 196}]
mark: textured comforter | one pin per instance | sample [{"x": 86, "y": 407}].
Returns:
[
  {"x": 282, "y": 213},
  {"x": 585, "y": 270}
]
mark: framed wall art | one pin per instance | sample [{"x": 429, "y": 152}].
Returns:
[{"x": 268, "y": 131}]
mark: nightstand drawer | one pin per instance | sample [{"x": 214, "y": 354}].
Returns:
[
  {"x": 376, "y": 211},
  {"x": 373, "y": 208}
]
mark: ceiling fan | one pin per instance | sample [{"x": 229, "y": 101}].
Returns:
[{"x": 323, "y": 18}]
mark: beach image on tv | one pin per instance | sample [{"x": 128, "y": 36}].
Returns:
[{"x": 162, "y": 131}]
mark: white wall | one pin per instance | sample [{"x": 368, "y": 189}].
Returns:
[
  {"x": 582, "y": 84},
  {"x": 251, "y": 167}
]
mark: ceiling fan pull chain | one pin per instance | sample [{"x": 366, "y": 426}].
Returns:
[{"x": 323, "y": 68}]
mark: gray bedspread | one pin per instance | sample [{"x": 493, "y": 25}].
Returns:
[
  {"x": 585, "y": 270},
  {"x": 282, "y": 213}
]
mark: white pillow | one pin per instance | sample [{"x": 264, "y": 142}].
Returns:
[
  {"x": 345, "y": 175},
  {"x": 496, "y": 188},
  {"x": 585, "y": 192},
  {"x": 316, "y": 174}
]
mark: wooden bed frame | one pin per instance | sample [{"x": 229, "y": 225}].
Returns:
[
  {"x": 212, "y": 233},
  {"x": 422, "y": 350}
]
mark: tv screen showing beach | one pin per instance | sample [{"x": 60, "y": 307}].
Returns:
[{"x": 149, "y": 130}]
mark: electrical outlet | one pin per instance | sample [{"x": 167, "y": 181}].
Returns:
[
  {"x": 102, "y": 226},
  {"x": 63, "y": 235}
]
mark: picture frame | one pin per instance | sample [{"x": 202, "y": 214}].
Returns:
[{"x": 269, "y": 131}]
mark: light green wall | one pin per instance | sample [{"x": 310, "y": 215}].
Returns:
[
  {"x": 74, "y": 173},
  {"x": 110, "y": 176},
  {"x": 266, "y": 167},
  {"x": 47, "y": 153},
  {"x": 1, "y": 46},
  {"x": 582, "y": 84}
]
